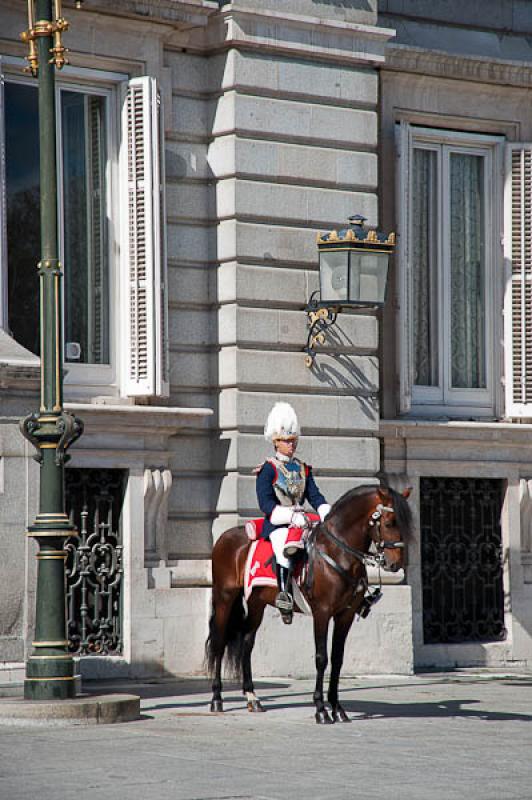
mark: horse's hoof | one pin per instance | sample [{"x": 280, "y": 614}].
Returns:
[
  {"x": 217, "y": 706},
  {"x": 323, "y": 718},
  {"x": 339, "y": 715},
  {"x": 256, "y": 707}
]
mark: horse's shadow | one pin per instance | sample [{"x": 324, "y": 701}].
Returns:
[
  {"x": 377, "y": 709},
  {"x": 358, "y": 709},
  {"x": 373, "y": 709}
]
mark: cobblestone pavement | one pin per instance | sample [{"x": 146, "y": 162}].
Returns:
[{"x": 453, "y": 736}]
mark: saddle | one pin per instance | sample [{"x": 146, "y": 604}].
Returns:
[{"x": 259, "y": 569}]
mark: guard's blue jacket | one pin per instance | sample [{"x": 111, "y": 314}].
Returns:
[{"x": 287, "y": 483}]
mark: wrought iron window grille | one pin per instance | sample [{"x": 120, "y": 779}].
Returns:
[
  {"x": 461, "y": 560},
  {"x": 94, "y": 563}
]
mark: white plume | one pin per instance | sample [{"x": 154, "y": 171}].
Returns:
[{"x": 282, "y": 421}]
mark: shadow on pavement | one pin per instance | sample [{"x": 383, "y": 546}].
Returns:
[{"x": 439, "y": 708}]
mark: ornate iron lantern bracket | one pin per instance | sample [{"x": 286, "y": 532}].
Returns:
[{"x": 319, "y": 319}]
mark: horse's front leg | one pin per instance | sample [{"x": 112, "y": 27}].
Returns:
[
  {"x": 342, "y": 625},
  {"x": 256, "y": 608},
  {"x": 321, "y": 626}
]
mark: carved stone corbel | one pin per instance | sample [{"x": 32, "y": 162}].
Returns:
[
  {"x": 157, "y": 485},
  {"x": 525, "y": 504}
]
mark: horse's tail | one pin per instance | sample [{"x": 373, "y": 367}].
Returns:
[{"x": 232, "y": 640}]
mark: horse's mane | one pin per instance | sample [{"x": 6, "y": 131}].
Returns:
[
  {"x": 403, "y": 513},
  {"x": 350, "y": 495}
]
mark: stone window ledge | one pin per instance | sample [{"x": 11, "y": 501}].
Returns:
[
  {"x": 507, "y": 432},
  {"x": 138, "y": 418}
]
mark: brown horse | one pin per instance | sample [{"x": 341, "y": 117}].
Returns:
[{"x": 338, "y": 550}]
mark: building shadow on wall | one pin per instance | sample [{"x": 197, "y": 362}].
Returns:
[{"x": 340, "y": 371}]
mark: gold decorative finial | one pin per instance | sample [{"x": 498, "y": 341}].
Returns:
[{"x": 45, "y": 28}]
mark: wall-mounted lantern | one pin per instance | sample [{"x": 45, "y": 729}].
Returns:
[{"x": 353, "y": 266}]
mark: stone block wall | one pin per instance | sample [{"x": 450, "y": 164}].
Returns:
[
  {"x": 293, "y": 152},
  {"x": 264, "y": 148}
]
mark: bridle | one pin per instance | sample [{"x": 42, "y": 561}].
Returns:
[
  {"x": 381, "y": 544},
  {"x": 376, "y": 559}
]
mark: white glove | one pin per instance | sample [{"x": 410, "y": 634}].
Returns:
[
  {"x": 299, "y": 520},
  {"x": 323, "y": 510},
  {"x": 282, "y": 515}
]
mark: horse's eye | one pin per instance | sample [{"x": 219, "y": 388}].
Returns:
[{"x": 389, "y": 524}]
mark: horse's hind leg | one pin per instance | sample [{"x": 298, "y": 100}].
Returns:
[
  {"x": 321, "y": 626},
  {"x": 222, "y": 604},
  {"x": 342, "y": 625},
  {"x": 255, "y": 614}
]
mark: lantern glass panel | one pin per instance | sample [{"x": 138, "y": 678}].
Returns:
[
  {"x": 333, "y": 275},
  {"x": 367, "y": 277}
]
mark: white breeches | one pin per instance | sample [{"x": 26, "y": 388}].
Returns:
[{"x": 278, "y": 539}]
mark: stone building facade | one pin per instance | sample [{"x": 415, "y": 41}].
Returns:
[
  {"x": 265, "y": 125},
  {"x": 455, "y": 90}
]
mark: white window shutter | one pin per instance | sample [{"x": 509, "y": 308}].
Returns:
[
  {"x": 3, "y": 209},
  {"x": 403, "y": 267},
  {"x": 518, "y": 291},
  {"x": 144, "y": 348}
]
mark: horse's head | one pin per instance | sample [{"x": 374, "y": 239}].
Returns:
[{"x": 389, "y": 522}]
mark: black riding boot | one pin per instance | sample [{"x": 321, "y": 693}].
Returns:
[{"x": 284, "y": 601}]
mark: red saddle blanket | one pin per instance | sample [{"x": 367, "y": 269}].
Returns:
[{"x": 258, "y": 570}]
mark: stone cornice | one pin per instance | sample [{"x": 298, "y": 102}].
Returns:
[
  {"x": 403, "y": 58},
  {"x": 487, "y": 432},
  {"x": 182, "y": 14},
  {"x": 145, "y": 420},
  {"x": 20, "y": 376},
  {"x": 19, "y": 369},
  {"x": 297, "y": 35}
]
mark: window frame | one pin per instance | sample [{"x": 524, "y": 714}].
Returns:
[
  {"x": 444, "y": 400},
  {"x": 79, "y": 378}
]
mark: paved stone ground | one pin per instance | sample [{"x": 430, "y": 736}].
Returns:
[{"x": 456, "y": 736}]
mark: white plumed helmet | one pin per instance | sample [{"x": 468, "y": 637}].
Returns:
[{"x": 282, "y": 422}]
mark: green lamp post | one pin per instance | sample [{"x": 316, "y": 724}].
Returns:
[{"x": 50, "y": 667}]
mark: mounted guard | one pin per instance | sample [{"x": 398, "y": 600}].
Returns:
[{"x": 284, "y": 483}]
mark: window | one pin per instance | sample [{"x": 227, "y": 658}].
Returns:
[
  {"x": 86, "y": 151},
  {"x": 449, "y": 207},
  {"x": 114, "y": 288},
  {"x": 85, "y": 230}
]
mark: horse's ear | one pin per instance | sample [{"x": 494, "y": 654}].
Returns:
[
  {"x": 383, "y": 494},
  {"x": 407, "y": 492}
]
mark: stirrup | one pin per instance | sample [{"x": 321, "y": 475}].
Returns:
[
  {"x": 284, "y": 602},
  {"x": 372, "y": 597}
]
